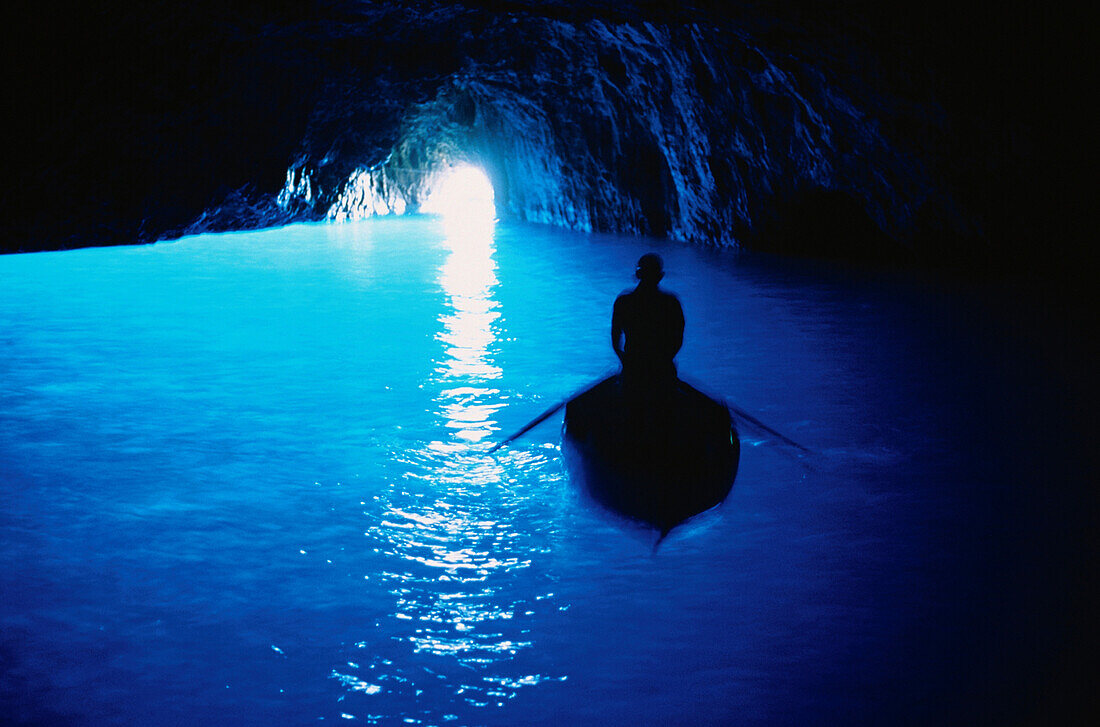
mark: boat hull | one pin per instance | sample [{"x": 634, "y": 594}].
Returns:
[{"x": 658, "y": 457}]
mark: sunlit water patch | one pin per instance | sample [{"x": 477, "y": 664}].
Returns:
[{"x": 247, "y": 480}]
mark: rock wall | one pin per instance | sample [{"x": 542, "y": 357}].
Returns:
[
  {"x": 693, "y": 131},
  {"x": 843, "y": 128}
]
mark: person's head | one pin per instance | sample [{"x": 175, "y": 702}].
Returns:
[{"x": 650, "y": 268}]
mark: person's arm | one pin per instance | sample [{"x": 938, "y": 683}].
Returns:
[
  {"x": 617, "y": 329},
  {"x": 679, "y": 339}
]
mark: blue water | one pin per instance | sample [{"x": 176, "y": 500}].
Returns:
[{"x": 246, "y": 480}]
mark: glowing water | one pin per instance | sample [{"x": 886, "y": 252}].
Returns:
[{"x": 245, "y": 481}]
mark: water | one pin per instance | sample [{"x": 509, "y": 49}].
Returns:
[{"x": 245, "y": 480}]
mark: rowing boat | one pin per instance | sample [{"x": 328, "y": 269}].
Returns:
[{"x": 658, "y": 456}]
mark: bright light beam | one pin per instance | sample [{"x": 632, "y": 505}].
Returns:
[{"x": 464, "y": 198}]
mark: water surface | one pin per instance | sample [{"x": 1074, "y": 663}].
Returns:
[{"x": 245, "y": 480}]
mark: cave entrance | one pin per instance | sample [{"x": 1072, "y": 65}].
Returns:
[{"x": 463, "y": 196}]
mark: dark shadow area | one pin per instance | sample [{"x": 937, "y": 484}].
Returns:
[
  {"x": 824, "y": 223},
  {"x": 130, "y": 122},
  {"x": 1031, "y": 536}
]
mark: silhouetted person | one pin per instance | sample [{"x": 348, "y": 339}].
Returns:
[{"x": 647, "y": 329}]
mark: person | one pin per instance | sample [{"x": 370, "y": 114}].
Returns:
[{"x": 647, "y": 329}]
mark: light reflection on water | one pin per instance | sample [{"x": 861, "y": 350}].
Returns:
[
  {"x": 449, "y": 567},
  {"x": 468, "y": 278}
]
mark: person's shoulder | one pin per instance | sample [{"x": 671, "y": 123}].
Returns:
[{"x": 672, "y": 304}]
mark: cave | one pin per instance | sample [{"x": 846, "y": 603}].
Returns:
[
  {"x": 700, "y": 124},
  {"x": 297, "y": 298}
]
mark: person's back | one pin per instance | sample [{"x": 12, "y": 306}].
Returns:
[{"x": 647, "y": 327}]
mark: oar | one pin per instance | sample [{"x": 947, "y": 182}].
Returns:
[
  {"x": 753, "y": 420},
  {"x": 546, "y": 414},
  {"x": 534, "y": 423},
  {"x": 557, "y": 407}
]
